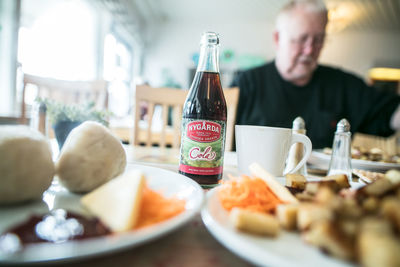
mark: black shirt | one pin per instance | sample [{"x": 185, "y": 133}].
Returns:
[{"x": 332, "y": 94}]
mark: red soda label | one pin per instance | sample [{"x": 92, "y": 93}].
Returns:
[{"x": 202, "y": 147}]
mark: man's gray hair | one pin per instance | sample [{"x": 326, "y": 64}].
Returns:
[{"x": 312, "y": 6}]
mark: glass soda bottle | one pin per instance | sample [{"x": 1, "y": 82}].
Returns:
[{"x": 204, "y": 119}]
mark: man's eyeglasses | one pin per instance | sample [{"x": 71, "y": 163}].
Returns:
[{"x": 316, "y": 41}]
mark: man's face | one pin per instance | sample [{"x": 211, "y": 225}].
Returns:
[{"x": 299, "y": 41}]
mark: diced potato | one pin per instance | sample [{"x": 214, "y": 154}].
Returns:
[
  {"x": 325, "y": 196},
  {"x": 391, "y": 210},
  {"x": 313, "y": 187},
  {"x": 254, "y": 222},
  {"x": 304, "y": 197},
  {"x": 349, "y": 208},
  {"x": 296, "y": 181},
  {"x": 327, "y": 236},
  {"x": 393, "y": 176},
  {"x": 378, "y": 188},
  {"x": 376, "y": 244},
  {"x": 341, "y": 180},
  {"x": 349, "y": 227},
  {"x": 309, "y": 213},
  {"x": 371, "y": 204},
  {"x": 376, "y": 224},
  {"x": 287, "y": 215}
]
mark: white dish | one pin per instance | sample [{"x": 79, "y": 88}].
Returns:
[
  {"x": 287, "y": 250},
  {"x": 169, "y": 183},
  {"x": 321, "y": 160}
]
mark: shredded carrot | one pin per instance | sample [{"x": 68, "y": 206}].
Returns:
[
  {"x": 248, "y": 193},
  {"x": 155, "y": 208}
]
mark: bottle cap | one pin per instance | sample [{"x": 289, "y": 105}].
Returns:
[
  {"x": 299, "y": 124},
  {"x": 209, "y": 38},
  {"x": 343, "y": 126}
]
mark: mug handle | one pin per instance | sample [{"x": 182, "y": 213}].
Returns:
[{"x": 301, "y": 138}]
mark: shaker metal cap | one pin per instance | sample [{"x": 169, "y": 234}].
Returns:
[
  {"x": 343, "y": 126},
  {"x": 209, "y": 38},
  {"x": 299, "y": 124}
]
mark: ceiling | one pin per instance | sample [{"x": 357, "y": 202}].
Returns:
[{"x": 348, "y": 14}]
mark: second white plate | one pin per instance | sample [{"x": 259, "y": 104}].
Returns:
[
  {"x": 288, "y": 250},
  {"x": 321, "y": 160}
]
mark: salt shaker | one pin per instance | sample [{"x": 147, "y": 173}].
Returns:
[
  {"x": 296, "y": 152},
  {"x": 341, "y": 150}
]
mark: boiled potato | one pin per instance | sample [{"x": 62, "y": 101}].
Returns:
[
  {"x": 26, "y": 164},
  {"x": 90, "y": 157}
]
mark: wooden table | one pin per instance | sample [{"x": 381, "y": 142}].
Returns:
[{"x": 191, "y": 245}]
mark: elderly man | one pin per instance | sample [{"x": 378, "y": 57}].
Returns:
[{"x": 294, "y": 84}]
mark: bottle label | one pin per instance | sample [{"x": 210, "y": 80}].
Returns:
[{"x": 202, "y": 146}]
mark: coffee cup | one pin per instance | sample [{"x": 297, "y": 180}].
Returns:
[{"x": 268, "y": 146}]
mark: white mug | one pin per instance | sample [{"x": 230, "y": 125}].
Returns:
[{"x": 268, "y": 146}]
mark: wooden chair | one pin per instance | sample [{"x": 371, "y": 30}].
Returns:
[
  {"x": 73, "y": 92},
  {"x": 386, "y": 144},
  {"x": 174, "y": 98}
]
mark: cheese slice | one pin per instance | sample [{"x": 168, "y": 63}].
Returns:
[
  {"x": 117, "y": 202},
  {"x": 279, "y": 190}
]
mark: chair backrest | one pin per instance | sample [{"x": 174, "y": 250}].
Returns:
[
  {"x": 172, "y": 99},
  {"x": 72, "y": 92},
  {"x": 166, "y": 98},
  {"x": 386, "y": 144}
]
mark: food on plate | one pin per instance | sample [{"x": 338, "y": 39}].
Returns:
[
  {"x": 393, "y": 176},
  {"x": 90, "y": 157},
  {"x": 26, "y": 164},
  {"x": 377, "y": 244},
  {"x": 341, "y": 179},
  {"x": 55, "y": 227},
  {"x": 326, "y": 235},
  {"x": 254, "y": 222},
  {"x": 309, "y": 213},
  {"x": 117, "y": 202},
  {"x": 127, "y": 203},
  {"x": 349, "y": 222},
  {"x": 368, "y": 176},
  {"x": 297, "y": 181},
  {"x": 280, "y": 191},
  {"x": 156, "y": 208},
  {"x": 248, "y": 193},
  {"x": 251, "y": 201},
  {"x": 287, "y": 215},
  {"x": 360, "y": 225},
  {"x": 373, "y": 154}
]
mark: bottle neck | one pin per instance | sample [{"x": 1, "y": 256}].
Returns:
[{"x": 208, "y": 60}]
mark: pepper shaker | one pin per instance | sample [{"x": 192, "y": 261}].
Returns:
[
  {"x": 296, "y": 151},
  {"x": 341, "y": 150}
]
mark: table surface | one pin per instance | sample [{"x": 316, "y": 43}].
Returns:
[{"x": 190, "y": 245}]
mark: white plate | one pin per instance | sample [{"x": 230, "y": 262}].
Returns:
[
  {"x": 321, "y": 160},
  {"x": 287, "y": 250},
  {"x": 169, "y": 183}
]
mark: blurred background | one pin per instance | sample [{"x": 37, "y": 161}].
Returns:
[{"x": 129, "y": 42}]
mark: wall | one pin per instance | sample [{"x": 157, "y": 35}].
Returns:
[
  {"x": 173, "y": 46},
  {"x": 9, "y": 10}
]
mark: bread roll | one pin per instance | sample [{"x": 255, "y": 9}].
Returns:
[
  {"x": 90, "y": 157},
  {"x": 26, "y": 165}
]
